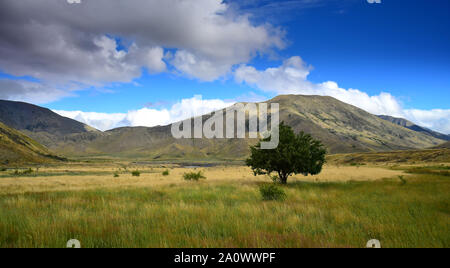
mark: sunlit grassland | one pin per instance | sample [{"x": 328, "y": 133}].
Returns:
[
  {"x": 68, "y": 178},
  {"x": 226, "y": 210}
]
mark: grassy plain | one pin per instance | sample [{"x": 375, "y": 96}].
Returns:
[{"x": 345, "y": 206}]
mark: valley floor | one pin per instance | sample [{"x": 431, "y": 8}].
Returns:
[{"x": 103, "y": 205}]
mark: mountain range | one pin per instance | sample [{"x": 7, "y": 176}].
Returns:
[{"x": 343, "y": 128}]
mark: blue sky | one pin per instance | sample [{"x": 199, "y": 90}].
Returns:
[{"x": 395, "y": 47}]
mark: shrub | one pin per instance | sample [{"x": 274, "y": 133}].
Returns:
[
  {"x": 166, "y": 172},
  {"x": 193, "y": 176},
  {"x": 3, "y": 169},
  {"x": 271, "y": 192},
  {"x": 27, "y": 172},
  {"x": 116, "y": 175},
  {"x": 136, "y": 173}
]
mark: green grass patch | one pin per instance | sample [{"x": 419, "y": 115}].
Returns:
[
  {"x": 272, "y": 192},
  {"x": 431, "y": 170},
  {"x": 232, "y": 214},
  {"x": 357, "y": 164}
]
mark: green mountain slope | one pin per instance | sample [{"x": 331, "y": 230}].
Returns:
[{"x": 17, "y": 148}]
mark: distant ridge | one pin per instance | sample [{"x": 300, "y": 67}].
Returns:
[{"x": 410, "y": 125}]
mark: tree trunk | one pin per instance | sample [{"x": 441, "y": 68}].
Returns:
[{"x": 283, "y": 177}]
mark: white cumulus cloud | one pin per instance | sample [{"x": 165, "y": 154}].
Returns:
[{"x": 146, "y": 117}]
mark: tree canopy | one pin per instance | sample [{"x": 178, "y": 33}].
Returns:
[{"x": 295, "y": 154}]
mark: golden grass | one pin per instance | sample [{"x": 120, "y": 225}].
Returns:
[{"x": 151, "y": 177}]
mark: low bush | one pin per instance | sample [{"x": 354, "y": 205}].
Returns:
[
  {"x": 28, "y": 171},
  {"x": 25, "y": 172},
  {"x": 193, "y": 176},
  {"x": 166, "y": 172},
  {"x": 136, "y": 173},
  {"x": 271, "y": 192}
]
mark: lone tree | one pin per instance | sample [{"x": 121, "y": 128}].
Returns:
[{"x": 295, "y": 154}]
